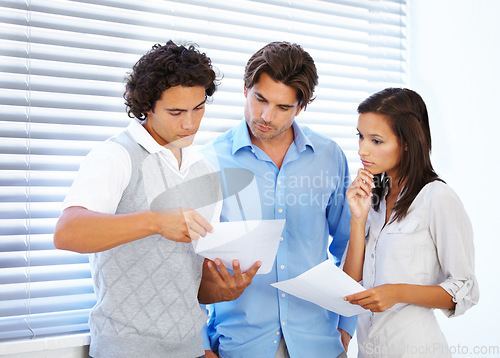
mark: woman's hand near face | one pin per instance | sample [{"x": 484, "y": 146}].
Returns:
[{"x": 359, "y": 194}]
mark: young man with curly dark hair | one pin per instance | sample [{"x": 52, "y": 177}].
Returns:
[{"x": 128, "y": 209}]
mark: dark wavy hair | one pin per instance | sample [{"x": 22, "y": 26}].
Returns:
[
  {"x": 287, "y": 63},
  {"x": 163, "y": 67},
  {"x": 409, "y": 121}
]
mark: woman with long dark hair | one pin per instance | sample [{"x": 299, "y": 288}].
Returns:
[{"x": 411, "y": 239}]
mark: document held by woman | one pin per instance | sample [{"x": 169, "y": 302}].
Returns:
[{"x": 325, "y": 285}]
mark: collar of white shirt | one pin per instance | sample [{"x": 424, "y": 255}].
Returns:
[{"x": 190, "y": 155}]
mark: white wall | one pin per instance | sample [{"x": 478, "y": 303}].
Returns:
[{"x": 454, "y": 63}]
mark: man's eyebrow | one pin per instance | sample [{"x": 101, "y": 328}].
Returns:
[
  {"x": 184, "y": 110},
  {"x": 260, "y": 96},
  {"x": 202, "y": 102},
  {"x": 281, "y": 105}
]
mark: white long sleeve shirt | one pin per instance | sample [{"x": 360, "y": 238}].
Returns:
[{"x": 432, "y": 245}]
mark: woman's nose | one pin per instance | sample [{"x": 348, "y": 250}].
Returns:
[{"x": 363, "y": 150}]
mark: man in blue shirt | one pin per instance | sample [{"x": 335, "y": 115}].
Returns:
[{"x": 300, "y": 176}]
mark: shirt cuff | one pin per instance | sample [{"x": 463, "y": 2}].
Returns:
[
  {"x": 348, "y": 324},
  {"x": 206, "y": 339},
  {"x": 464, "y": 293}
]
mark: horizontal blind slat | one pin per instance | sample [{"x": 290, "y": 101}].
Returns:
[
  {"x": 32, "y": 211},
  {"x": 47, "y": 304},
  {"x": 40, "y": 258},
  {"x": 22, "y": 243},
  {"x": 10, "y": 178},
  {"x": 44, "y": 273},
  {"x": 17, "y": 291},
  {"x": 44, "y": 324}
]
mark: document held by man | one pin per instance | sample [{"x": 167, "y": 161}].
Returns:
[
  {"x": 325, "y": 285},
  {"x": 248, "y": 241}
]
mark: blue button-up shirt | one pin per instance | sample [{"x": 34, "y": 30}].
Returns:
[{"x": 309, "y": 192}]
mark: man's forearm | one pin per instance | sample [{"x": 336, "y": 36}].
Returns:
[{"x": 85, "y": 231}]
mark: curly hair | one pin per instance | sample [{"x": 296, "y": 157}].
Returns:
[
  {"x": 163, "y": 67},
  {"x": 287, "y": 63}
]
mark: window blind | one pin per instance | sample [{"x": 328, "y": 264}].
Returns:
[{"x": 62, "y": 65}]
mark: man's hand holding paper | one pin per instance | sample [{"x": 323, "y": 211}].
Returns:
[
  {"x": 248, "y": 247},
  {"x": 229, "y": 287},
  {"x": 246, "y": 241}
]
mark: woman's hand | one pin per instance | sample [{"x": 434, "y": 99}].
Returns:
[
  {"x": 377, "y": 299},
  {"x": 381, "y": 298},
  {"x": 359, "y": 194}
]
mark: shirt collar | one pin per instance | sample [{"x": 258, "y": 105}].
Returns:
[
  {"x": 190, "y": 154},
  {"x": 242, "y": 137},
  {"x": 142, "y": 136},
  {"x": 301, "y": 139}
]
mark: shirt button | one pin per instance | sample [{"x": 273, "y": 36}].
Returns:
[
  {"x": 275, "y": 342},
  {"x": 279, "y": 182},
  {"x": 283, "y": 295},
  {"x": 282, "y": 323},
  {"x": 278, "y": 333},
  {"x": 281, "y": 239},
  {"x": 282, "y": 267},
  {"x": 280, "y": 211}
]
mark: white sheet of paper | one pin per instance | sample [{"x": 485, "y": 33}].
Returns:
[
  {"x": 325, "y": 285},
  {"x": 248, "y": 241}
]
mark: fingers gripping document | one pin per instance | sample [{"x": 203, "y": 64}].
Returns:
[
  {"x": 325, "y": 285},
  {"x": 248, "y": 241}
]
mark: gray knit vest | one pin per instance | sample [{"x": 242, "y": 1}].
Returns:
[{"x": 147, "y": 289}]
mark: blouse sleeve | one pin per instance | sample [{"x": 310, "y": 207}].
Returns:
[{"x": 451, "y": 231}]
